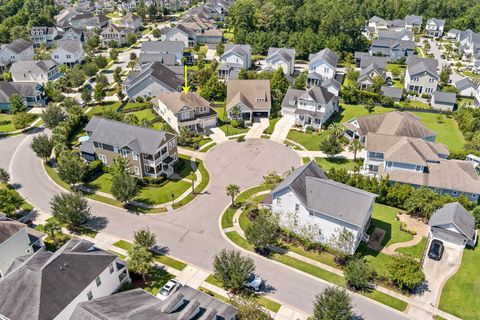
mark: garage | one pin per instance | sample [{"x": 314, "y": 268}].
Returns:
[{"x": 261, "y": 114}]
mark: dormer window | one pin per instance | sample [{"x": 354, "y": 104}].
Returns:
[
  {"x": 291, "y": 102},
  {"x": 260, "y": 99}
]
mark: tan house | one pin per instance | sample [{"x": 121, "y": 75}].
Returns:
[
  {"x": 114, "y": 33},
  {"x": 248, "y": 99},
  {"x": 151, "y": 152},
  {"x": 182, "y": 110},
  {"x": 422, "y": 75}
]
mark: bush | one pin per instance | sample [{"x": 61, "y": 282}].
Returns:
[
  {"x": 154, "y": 181},
  {"x": 405, "y": 272},
  {"x": 241, "y": 139},
  {"x": 403, "y": 227},
  {"x": 22, "y": 120},
  {"x": 426, "y": 96},
  {"x": 240, "y": 123},
  {"x": 139, "y": 99},
  {"x": 310, "y": 129},
  {"x": 95, "y": 167}
]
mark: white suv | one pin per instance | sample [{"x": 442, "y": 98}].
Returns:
[
  {"x": 169, "y": 288},
  {"x": 254, "y": 282}
]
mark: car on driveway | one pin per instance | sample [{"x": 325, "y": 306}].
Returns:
[
  {"x": 254, "y": 282},
  {"x": 170, "y": 287},
  {"x": 436, "y": 250}
]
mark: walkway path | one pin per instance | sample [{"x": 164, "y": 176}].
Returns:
[
  {"x": 218, "y": 135},
  {"x": 257, "y": 129},
  {"x": 281, "y": 129},
  {"x": 413, "y": 224}
]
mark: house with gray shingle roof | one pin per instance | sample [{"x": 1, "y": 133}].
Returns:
[
  {"x": 39, "y": 71},
  {"x": 393, "y": 49},
  {"x": 281, "y": 58},
  {"x": 466, "y": 87},
  {"x": 322, "y": 66},
  {"x": 369, "y": 73},
  {"x": 43, "y": 36},
  {"x": 434, "y": 27},
  {"x": 404, "y": 35},
  {"x": 68, "y": 52},
  {"x": 453, "y": 224},
  {"x": 31, "y": 92},
  {"x": 18, "y": 50},
  {"x": 308, "y": 200},
  {"x": 182, "y": 33},
  {"x": 421, "y": 75},
  {"x": 150, "y": 152},
  {"x": 413, "y": 23},
  {"x": 138, "y": 304},
  {"x": 309, "y": 108},
  {"x": 419, "y": 162},
  {"x": 392, "y": 92},
  {"x": 162, "y": 49},
  {"x": 49, "y": 285},
  {"x": 444, "y": 100},
  {"x": 234, "y": 58}
]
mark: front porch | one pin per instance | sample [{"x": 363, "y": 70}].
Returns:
[
  {"x": 161, "y": 166},
  {"x": 306, "y": 120}
]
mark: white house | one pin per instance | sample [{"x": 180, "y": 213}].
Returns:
[
  {"x": 18, "y": 50},
  {"x": 413, "y": 23},
  {"x": 281, "y": 58},
  {"x": 434, "y": 27},
  {"x": 182, "y": 33},
  {"x": 43, "y": 35},
  {"x": 39, "y": 71},
  {"x": 444, "y": 100},
  {"x": 421, "y": 75},
  {"x": 453, "y": 224},
  {"x": 16, "y": 240},
  {"x": 308, "y": 200},
  {"x": 69, "y": 52},
  {"x": 130, "y": 21},
  {"x": 163, "y": 49},
  {"x": 50, "y": 285},
  {"x": 309, "y": 108},
  {"x": 235, "y": 58},
  {"x": 322, "y": 66},
  {"x": 466, "y": 87}
]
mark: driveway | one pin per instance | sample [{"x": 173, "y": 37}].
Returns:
[
  {"x": 282, "y": 128},
  {"x": 437, "y": 53},
  {"x": 192, "y": 233}
]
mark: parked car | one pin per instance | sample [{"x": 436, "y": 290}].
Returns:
[
  {"x": 254, "y": 282},
  {"x": 436, "y": 250},
  {"x": 170, "y": 287},
  {"x": 442, "y": 56}
]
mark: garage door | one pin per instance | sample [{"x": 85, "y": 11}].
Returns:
[{"x": 288, "y": 115}]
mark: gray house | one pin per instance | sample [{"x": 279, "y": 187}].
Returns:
[
  {"x": 421, "y": 75},
  {"x": 31, "y": 92},
  {"x": 453, "y": 224},
  {"x": 444, "y": 100},
  {"x": 184, "y": 303},
  {"x": 162, "y": 50},
  {"x": 235, "y": 58},
  {"x": 393, "y": 49}
]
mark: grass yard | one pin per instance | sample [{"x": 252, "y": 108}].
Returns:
[
  {"x": 446, "y": 127},
  {"x": 461, "y": 292},
  {"x": 6, "y": 123},
  {"x": 337, "y": 163},
  {"x": 383, "y": 217},
  {"x": 311, "y": 141},
  {"x": 99, "y": 109},
  {"x": 135, "y": 105},
  {"x": 349, "y": 111},
  {"x": 378, "y": 261},
  {"x": 145, "y": 114},
  {"x": 271, "y": 126},
  {"x": 158, "y": 279},
  {"x": 82, "y": 230},
  {"x": 415, "y": 251},
  {"x": 227, "y": 128},
  {"x": 199, "y": 187}
]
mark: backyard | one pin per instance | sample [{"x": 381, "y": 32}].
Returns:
[
  {"x": 311, "y": 141},
  {"x": 6, "y": 122},
  {"x": 337, "y": 163}
]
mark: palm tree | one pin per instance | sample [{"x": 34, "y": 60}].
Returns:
[
  {"x": 233, "y": 190},
  {"x": 236, "y": 112},
  {"x": 52, "y": 229},
  {"x": 354, "y": 147},
  {"x": 336, "y": 129},
  {"x": 193, "y": 177}
]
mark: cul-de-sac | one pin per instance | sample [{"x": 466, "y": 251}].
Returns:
[{"x": 239, "y": 159}]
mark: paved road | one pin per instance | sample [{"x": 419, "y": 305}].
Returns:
[
  {"x": 437, "y": 53},
  {"x": 192, "y": 233}
]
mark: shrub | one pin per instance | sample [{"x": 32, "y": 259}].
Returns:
[
  {"x": 94, "y": 168},
  {"x": 241, "y": 139},
  {"x": 403, "y": 227},
  {"x": 310, "y": 129},
  {"x": 425, "y": 96},
  {"x": 405, "y": 272},
  {"x": 139, "y": 99},
  {"x": 154, "y": 181},
  {"x": 22, "y": 120}
]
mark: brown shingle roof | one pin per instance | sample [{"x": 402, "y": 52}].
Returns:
[
  {"x": 254, "y": 94},
  {"x": 176, "y": 101}
]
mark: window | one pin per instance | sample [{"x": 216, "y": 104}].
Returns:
[
  {"x": 89, "y": 295},
  {"x": 102, "y": 158},
  {"x": 455, "y": 193},
  {"x": 68, "y": 56},
  {"x": 111, "y": 268},
  {"x": 297, "y": 207},
  {"x": 137, "y": 170},
  {"x": 98, "y": 281},
  {"x": 124, "y": 153},
  {"x": 279, "y": 200},
  {"x": 135, "y": 156}
]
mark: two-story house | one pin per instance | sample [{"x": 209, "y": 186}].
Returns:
[
  {"x": 16, "y": 240},
  {"x": 281, "y": 58},
  {"x": 130, "y": 21},
  {"x": 413, "y": 23},
  {"x": 160, "y": 50},
  {"x": 32, "y": 93},
  {"x": 18, "y": 50},
  {"x": 434, "y": 27},
  {"x": 114, "y": 33},
  {"x": 150, "y": 152},
  {"x": 393, "y": 49},
  {"x": 322, "y": 66},
  {"x": 419, "y": 162},
  {"x": 369, "y": 73},
  {"x": 248, "y": 99},
  {"x": 308, "y": 200},
  {"x": 68, "y": 52},
  {"x": 234, "y": 58},
  {"x": 376, "y": 24},
  {"x": 395, "y": 123},
  {"x": 43, "y": 36},
  {"x": 153, "y": 79},
  {"x": 49, "y": 285},
  {"x": 181, "y": 110},
  {"x": 39, "y": 71},
  {"x": 309, "y": 108},
  {"x": 74, "y": 34},
  {"x": 183, "y": 303},
  {"x": 182, "y": 33},
  {"x": 421, "y": 75},
  {"x": 403, "y": 35}
]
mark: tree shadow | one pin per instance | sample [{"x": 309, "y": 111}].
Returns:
[{"x": 97, "y": 223}]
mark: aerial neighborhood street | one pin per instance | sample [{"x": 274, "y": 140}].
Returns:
[{"x": 238, "y": 159}]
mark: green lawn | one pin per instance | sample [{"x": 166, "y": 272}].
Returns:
[
  {"x": 446, "y": 127},
  {"x": 378, "y": 261},
  {"x": 460, "y": 295},
  {"x": 227, "y": 128},
  {"x": 337, "y": 163},
  {"x": 311, "y": 141},
  {"x": 145, "y": 114},
  {"x": 349, "y": 111},
  {"x": 271, "y": 126},
  {"x": 158, "y": 279},
  {"x": 415, "y": 251},
  {"x": 6, "y": 123},
  {"x": 101, "y": 108},
  {"x": 81, "y": 230},
  {"x": 134, "y": 105},
  {"x": 383, "y": 217},
  {"x": 199, "y": 187}
]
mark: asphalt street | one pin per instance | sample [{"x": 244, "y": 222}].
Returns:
[{"x": 192, "y": 233}]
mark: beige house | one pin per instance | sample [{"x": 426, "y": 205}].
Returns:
[
  {"x": 151, "y": 153},
  {"x": 421, "y": 75},
  {"x": 182, "y": 110},
  {"x": 248, "y": 99}
]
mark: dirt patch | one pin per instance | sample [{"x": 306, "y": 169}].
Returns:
[{"x": 375, "y": 241}]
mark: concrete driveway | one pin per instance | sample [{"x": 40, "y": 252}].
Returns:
[
  {"x": 282, "y": 128},
  {"x": 192, "y": 233}
]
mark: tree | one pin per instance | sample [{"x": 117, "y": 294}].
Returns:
[
  {"x": 250, "y": 309},
  {"x": 86, "y": 96},
  {"x": 405, "y": 272},
  {"x": 4, "y": 176},
  {"x": 233, "y": 190},
  {"x": 333, "y": 304},
  {"x": 92, "y": 43},
  {"x": 52, "y": 115},
  {"x": 331, "y": 146},
  {"x": 17, "y": 103},
  {"x": 98, "y": 93},
  {"x": 370, "y": 106},
  {"x": 232, "y": 269},
  {"x": 113, "y": 54},
  {"x": 358, "y": 274},
  {"x": 22, "y": 119},
  {"x": 130, "y": 39},
  {"x": 144, "y": 237},
  {"x": 279, "y": 85},
  {"x": 214, "y": 89},
  {"x": 355, "y": 146},
  {"x": 42, "y": 146},
  {"x": 71, "y": 168},
  {"x": 90, "y": 69},
  {"x": 476, "y": 215},
  {"x": 70, "y": 208},
  {"x": 378, "y": 82},
  {"x": 133, "y": 56},
  {"x": 10, "y": 201},
  {"x": 131, "y": 118},
  {"x": 423, "y": 202},
  {"x": 140, "y": 260},
  {"x": 336, "y": 129},
  {"x": 117, "y": 77},
  {"x": 157, "y": 33},
  {"x": 124, "y": 187},
  {"x": 263, "y": 231},
  {"x": 53, "y": 229},
  {"x": 119, "y": 166},
  {"x": 343, "y": 242},
  {"x": 301, "y": 81},
  {"x": 220, "y": 49},
  {"x": 445, "y": 74},
  {"x": 193, "y": 177}
]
